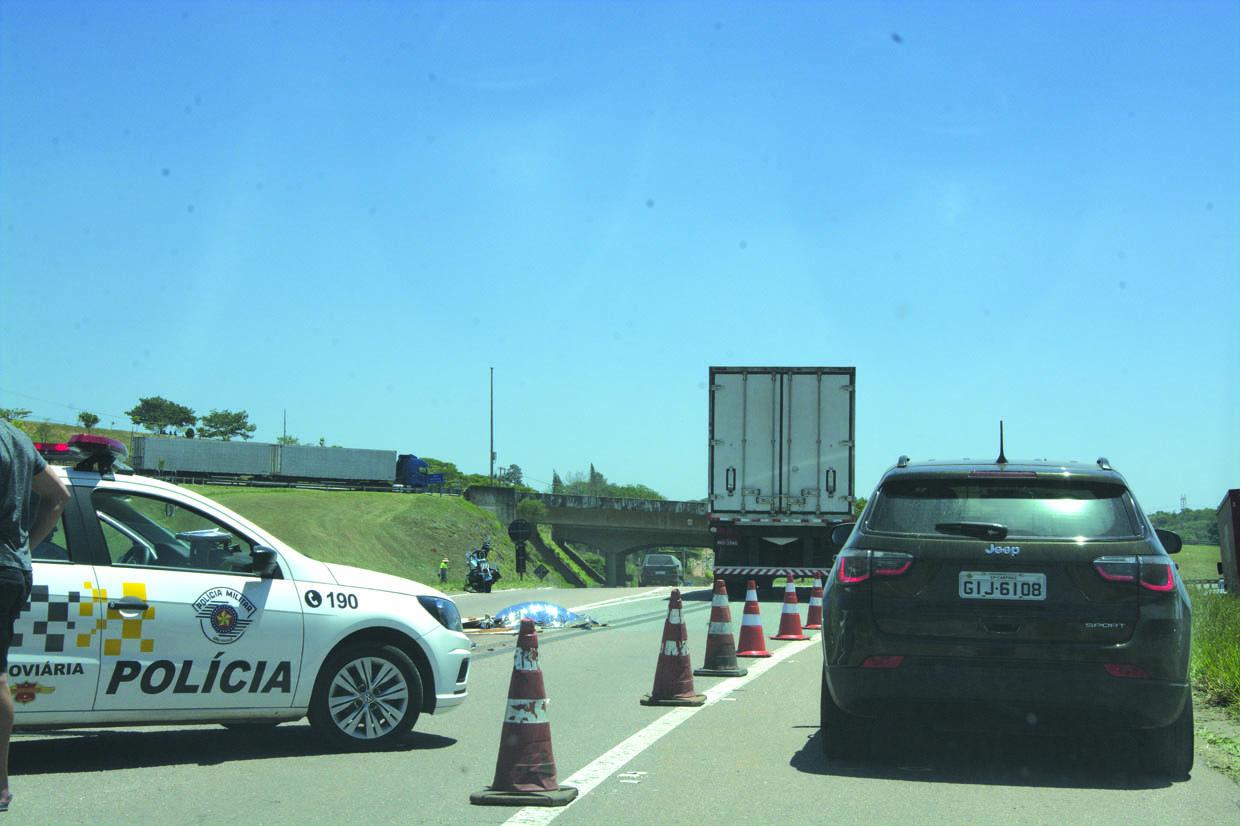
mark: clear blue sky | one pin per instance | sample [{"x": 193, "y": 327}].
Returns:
[{"x": 1026, "y": 211}]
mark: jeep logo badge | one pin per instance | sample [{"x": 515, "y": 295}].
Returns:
[{"x": 1009, "y": 550}]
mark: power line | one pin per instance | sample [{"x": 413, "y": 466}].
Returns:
[{"x": 124, "y": 416}]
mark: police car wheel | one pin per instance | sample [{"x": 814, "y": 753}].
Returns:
[{"x": 367, "y": 697}]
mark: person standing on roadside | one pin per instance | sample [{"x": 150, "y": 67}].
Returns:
[
  {"x": 22, "y": 527},
  {"x": 443, "y": 570}
]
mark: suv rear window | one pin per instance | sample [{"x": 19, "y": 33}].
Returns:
[
  {"x": 1038, "y": 508},
  {"x": 659, "y": 559}
]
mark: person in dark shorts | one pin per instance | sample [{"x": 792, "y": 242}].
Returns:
[{"x": 23, "y": 525}]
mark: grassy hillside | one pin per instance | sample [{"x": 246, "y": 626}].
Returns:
[
  {"x": 401, "y": 534},
  {"x": 53, "y": 432}
]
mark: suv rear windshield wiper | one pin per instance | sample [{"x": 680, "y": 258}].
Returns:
[{"x": 982, "y": 530}]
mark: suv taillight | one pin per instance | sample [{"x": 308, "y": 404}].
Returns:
[
  {"x": 858, "y": 566},
  {"x": 1153, "y": 572}
]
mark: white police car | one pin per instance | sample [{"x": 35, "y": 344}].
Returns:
[{"x": 152, "y": 604}]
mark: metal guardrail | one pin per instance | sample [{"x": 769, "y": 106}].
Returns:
[
  {"x": 1216, "y": 585},
  {"x": 234, "y": 481}
]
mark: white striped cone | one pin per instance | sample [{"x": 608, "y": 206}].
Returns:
[
  {"x": 752, "y": 641},
  {"x": 790, "y": 616},
  {"x": 720, "y": 660},
  {"x": 526, "y": 762},
  {"x": 813, "y": 618},
  {"x": 525, "y": 769},
  {"x": 673, "y": 676}
]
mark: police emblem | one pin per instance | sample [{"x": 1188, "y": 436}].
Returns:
[
  {"x": 224, "y": 614},
  {"x": 29, "y": 692}
]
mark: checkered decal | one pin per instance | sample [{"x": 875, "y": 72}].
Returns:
[{"x": 47, "y": 625}]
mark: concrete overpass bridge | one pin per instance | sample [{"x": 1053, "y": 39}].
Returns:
[{"x": 616, "y": 528}]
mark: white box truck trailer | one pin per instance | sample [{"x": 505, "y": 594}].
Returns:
[{"x": 782, "y": 447}]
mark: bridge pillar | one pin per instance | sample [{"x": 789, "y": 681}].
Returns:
[{"x": 617, "y": 572}]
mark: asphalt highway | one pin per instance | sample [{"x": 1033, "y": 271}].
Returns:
[{"x": 750, "y": 755}]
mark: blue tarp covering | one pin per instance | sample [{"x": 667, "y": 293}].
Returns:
[{"x": 545, "y": 614}]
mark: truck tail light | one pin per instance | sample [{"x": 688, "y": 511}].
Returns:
[{"x": 858, "y": 565}]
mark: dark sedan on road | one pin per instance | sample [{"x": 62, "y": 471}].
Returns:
[
  {"x": 1036, "y": 596},
  {"x": 661, "y": 569}
]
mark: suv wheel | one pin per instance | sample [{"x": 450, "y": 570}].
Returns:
[
  {"x": 367, "y": 696},
  {"x": 1169, "y": 750},
  {"x": 842, "y": 735}
]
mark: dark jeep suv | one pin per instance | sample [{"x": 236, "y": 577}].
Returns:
[{"x": 1035, "y": 594}]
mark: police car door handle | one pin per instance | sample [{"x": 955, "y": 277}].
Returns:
[{"x": 127, "y": 604}]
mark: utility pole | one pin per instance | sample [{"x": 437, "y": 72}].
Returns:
[
  {"x": 492, "y": 425},
  {"x": 284, "y": 441}
]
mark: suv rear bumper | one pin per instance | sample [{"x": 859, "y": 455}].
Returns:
[{"x": 961, "y": 693}]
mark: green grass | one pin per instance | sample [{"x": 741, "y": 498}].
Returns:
[
  {"x": 401, "y": 534},
  {"x": 1216, "y": 646},
  {"x": 1198, "y": 562},
  {"x": 1219, "y": 741},
  {"x": 544, "y": 531}
]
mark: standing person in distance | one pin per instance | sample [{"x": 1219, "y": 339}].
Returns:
[
  {"x": 443, "y": 570},
  {"x": 22, "y": 526}
]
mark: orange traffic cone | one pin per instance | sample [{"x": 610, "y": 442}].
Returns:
[
  {"x": 790, "y": 619},
  {"x": 673, "y": 676},
  {"x": 525, "y": 769},
  {"x": 813, "y": 619},
  {"x": 720, "y": 658},
  {"x": 752, "y": 642}
]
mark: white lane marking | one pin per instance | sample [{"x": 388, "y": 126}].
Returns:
[
  {"x": 658, "y": 592},
  {"x": 587, "y": 778}
]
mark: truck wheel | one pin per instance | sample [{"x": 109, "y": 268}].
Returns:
[
  {"x": 367, "y": 696},
  {"x": 842, "y": 735},
  {"x": 1169, "y": 749}
]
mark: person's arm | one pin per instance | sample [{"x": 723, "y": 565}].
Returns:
[{"x": 52, "y": 498}]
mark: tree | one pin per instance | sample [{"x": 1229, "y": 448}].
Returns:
[
  {"x": 557, "y": 484},
  {"x": 597, "y": 486},
  {"x": 224, "y": 424},
  {"x": 13, "y": 414},
  {"x": 858, "y": 506},
  {"x": 158, "y": 415},
  {"x": 533, "y": 511},
  {"x": 287, "y": 440},
  {"x": 510, "y": 475},
  {"x": 88, "y": 420}
]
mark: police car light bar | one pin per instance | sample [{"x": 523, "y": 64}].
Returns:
[{"x": 98, "y": 452}]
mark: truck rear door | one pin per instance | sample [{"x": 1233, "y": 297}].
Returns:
[
  {"x": 817, "y": 443},
  {"x": 781, "y": 440},
  {"x": 744, "y": 426}
]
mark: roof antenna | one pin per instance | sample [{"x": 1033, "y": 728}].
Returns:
[{"x": 1002, "y": 460}]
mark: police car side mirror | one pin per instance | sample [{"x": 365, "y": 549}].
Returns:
[
  {"x": 264, "y": 560},
  {"x": 1170, "y": 540}
]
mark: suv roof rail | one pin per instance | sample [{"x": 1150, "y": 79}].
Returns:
[
  {"x": 1104, "y": 464},
  {"x": 902, "y": 461}
]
